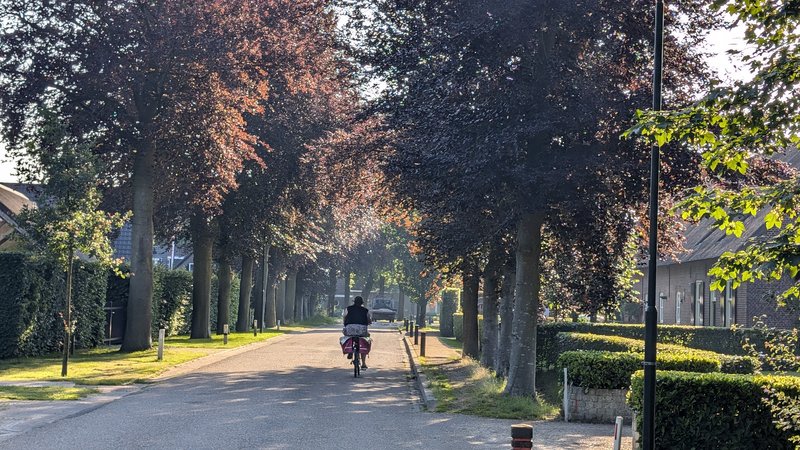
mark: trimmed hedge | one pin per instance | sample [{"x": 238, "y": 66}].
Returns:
[
  {"x": 715, "y": 339},
  {"x": 585, "y": 341},
  {"x": 613, "y": 370},
  {"x": 714, "y": 410},
  {"x": 458, "y": 326},
  {"x": 32, "y": 295}
]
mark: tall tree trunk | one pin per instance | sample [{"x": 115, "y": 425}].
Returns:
[
  {"x": 469, "y": 305},
  {"x": 246, "y": 289},
  {"x": 202, "y": 244},
  {"x": 258, "y": 292},
  {"x": 506, "y": 319},
  {"x": 346, "y": 299},
  {"x": 225, "y": 276},
  {"x": 522, "y": 371},
  {"x": 68, "y": 314},
  {"x": 491, "y": 294},
  {"x": 280, "y": 300},
  {"x": 270, "y": 311},
  {"x": 368, "y": 283},
  {"x": 298, "y": 296},
  {"x": 449, "y": 301},
  {"x": 401, "y": 304},
  {"x": 422, "y": 309},
  {"x": 331, "y": 291},
  {"x": 139, "y": 313},
  {"x": 381, "y": 286},
  {"x": 291, "y": 291}
]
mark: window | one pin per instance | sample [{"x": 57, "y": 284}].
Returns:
[
  {"x": 662, "y": 298},
  {"x": 713, "y": 312},
  {"x": 698, "y": 303},
  {"x": 729, "y": 306},
  {"x": 678, "y": 301}
]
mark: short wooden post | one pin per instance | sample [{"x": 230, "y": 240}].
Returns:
[
  {"x": 416, "y": 334},
  {"x": 422, "y": 343},
  {"x": 161, "y": 333},
  {"x": 521, "y": 436},
  {"x": 225, "y": 330},
  {"x": 279, "y": 325},
  {"x": 255, "y": 327},
  {"x": 618, "y": 433},
  {"x": 410, "y": 330}
]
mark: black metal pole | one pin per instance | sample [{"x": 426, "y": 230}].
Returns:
[{"x": 651, "y": 314}]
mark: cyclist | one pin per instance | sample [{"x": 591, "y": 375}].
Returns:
[{"x": 356, "y": 320}]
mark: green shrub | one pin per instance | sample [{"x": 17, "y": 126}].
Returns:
[
  {"x": 715, "y": 410},
  {"x": 716, "y": 339},
  {"x": 458, "y": 326},
  {"x": 613, "y": 370},
  {"x": 32, "y": 295},
  {"x": 739, "y": 364}
]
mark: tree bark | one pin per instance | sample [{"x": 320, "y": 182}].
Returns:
[
  {"x": 346, "y": 299},
  {"x": 422, "y": 309},
  {"x": 140, "y": 295},
  {"x": 381, "y": 286},
  {"x": 291, "y": 290},
  {"x": 491, "y": 294},
  {"x": 522, "y": 370},
  {"x": 68, "y": 314},
  {"x": 298, "y": 297},
  {"x": 280, "y": 301},
  {"x": 469, "y": 305},
  {"x": 506, "y": 320},
  {"x": 401, "y": 304},
  {"x": 331, "y": 291},
  {"x": 243, "y": 316},
  {"x": 448, "y": 308},
  {"x": 368, "y": 283},
  {"x": 202, "y": 243},
  {"x": 270, "y": 310},
  {"x": 258, "y": 292},
  {"x": 225, "y": 276}
]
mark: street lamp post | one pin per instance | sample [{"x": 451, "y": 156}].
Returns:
[{"x": 651, "y": 314}]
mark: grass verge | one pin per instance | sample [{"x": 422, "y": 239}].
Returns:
[
  {"x": 44, "y": 393},
  {"x": 450, "y": 342},
  {"x": 108, "y": 366},
  {"x": 467, "y": 388}
]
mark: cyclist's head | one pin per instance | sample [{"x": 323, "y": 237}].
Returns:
[{"x": 358, "y": 301}]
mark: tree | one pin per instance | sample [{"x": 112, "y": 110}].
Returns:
[
  {"x": 68, "y": 220},
  {"x": 508, "y": 112},
  {"x": 734, "y": 126}
]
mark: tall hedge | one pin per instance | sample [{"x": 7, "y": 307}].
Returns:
[
  {"x": 714, "y": 410},
  {"x": 458, "y": 326},
  {"x": 32, "y": 295}
]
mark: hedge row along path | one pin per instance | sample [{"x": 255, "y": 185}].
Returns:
[{"x": 296, "y": 392}]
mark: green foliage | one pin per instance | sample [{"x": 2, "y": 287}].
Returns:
[
  {"x": 31, "y": 301},
  {"x": 739, "y": 364},
  {"x": 172, "y": 300},
  {"x": 714, "y": 410},
  {"x": 733, "y": 125},
  {"x": 777, "y": 350}
]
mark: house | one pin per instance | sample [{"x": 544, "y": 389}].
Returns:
[
  {"x": 683, "y": 284},
  {"x": 12, "y": 202}
]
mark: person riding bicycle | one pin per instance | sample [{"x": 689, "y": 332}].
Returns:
[{"x": 356, "y": 320}]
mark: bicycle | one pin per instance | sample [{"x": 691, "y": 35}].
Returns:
[{"x": 356, "y": 340}]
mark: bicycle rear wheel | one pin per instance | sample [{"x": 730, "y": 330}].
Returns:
[{"x": 356, "y": 361}]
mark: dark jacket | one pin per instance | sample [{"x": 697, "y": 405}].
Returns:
[{"x": 356, "y": 315}]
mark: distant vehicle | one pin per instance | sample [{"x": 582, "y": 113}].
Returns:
[{"x": 382, "y": 309}]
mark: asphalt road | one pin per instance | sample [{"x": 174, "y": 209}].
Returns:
[{"x": 298, "y": 393}]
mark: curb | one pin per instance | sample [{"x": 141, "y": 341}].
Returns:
[{"x": 425, "y": 393}]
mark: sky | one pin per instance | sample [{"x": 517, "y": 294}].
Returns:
[{"x": 720, "y": 42}]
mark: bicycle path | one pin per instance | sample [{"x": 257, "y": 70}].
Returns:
[{"x": 296, "y": 393}]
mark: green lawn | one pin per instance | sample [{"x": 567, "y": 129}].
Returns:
[
  {"x": 450, "y": 342},
  {"x": 44, "y": 393},
  {"x": 217, "y": 341}
]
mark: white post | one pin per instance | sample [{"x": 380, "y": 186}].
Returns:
[
  {"x": 618, "y": 433},
  {"x": 161, "y": 333},
  {"x": 566, "y": 396},
  {"x": 279, "y": 325},
  {"x": 225, "y": 330}
]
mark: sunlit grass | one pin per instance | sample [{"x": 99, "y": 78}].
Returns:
[
  {"x": 450, "y": 342},
  {"x": 218, "y": 341},
  {"x": 480, "y": 393},
  {"x": 44, "y": 393}
]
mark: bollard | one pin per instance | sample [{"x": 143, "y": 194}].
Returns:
[
  {"x": 161, "y": 333},
  {"x": 618, "y": 433},
  {"x": 416, "y": 334},
  {"x": 255, "y": 327},
  {"x": 225, "y": 330},
  {"x": 566, "y": 396},
  {"x": 405, "y": 324},
  {"x": 410, "y": 329},
  {"x": 279, "y": 325},
  {"x": 521, "y": 436},
  {"x": 422, "y": 343}
]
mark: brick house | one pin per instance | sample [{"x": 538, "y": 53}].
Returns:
[{"x": 683, "y": 284}]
